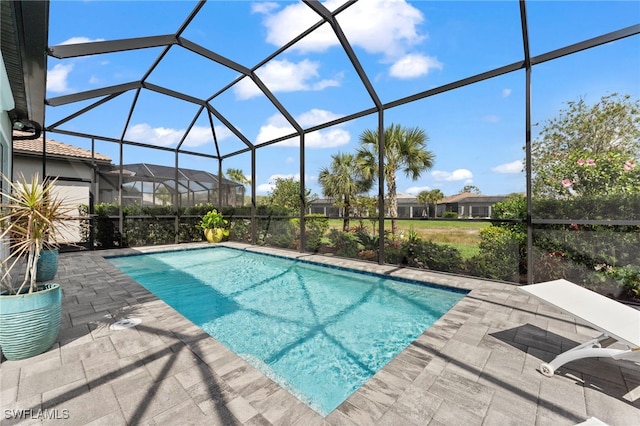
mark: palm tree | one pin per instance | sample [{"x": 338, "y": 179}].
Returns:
[
  {"x": 238, "y": 176},
  {"x": 343, "y": 182},
  {"x": 404, "y": 149},
  {"x": 430, "y": 197},
  {"x": 435, "y": 195},
  {"x": 423, "y": 198}
]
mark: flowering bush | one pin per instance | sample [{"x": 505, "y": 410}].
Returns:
[{"x": 587, "y": 173}]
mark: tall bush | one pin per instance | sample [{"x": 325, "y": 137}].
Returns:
[
  {"x": 345, "y": 244},
  {"x": 430, "y": 255},
  {"x": 316, "y": 226}
]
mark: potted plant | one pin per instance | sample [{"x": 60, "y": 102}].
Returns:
[
  {"x": 214, "y": 226},
  {"x": 30, "y": 313}
]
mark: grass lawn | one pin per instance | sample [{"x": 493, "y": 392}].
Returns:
[{"x": 463, "y": 235}]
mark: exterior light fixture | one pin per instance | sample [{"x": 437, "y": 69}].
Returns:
[{"x": 30, "y": 129}]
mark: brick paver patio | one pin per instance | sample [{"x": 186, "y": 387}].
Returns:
[{"x": 477, "y": 365}]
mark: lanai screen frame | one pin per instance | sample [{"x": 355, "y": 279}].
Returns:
[{"x": 378, "y": 108}]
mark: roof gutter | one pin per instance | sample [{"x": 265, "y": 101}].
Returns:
[{"x": 23, "y": 41}]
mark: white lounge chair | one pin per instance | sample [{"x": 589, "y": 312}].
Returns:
[{"x": 616, "y": 322}]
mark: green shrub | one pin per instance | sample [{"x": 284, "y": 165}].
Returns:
[
  {"x": 106, "y": 233},
  {"x": 280, "y": 233},
  {"x": 395, "y": 252},
  {"x": 187, "y": 230},
  {"x": 605, "y": 206},
  {"x": 240, "y": 230},
  {"x": 429, "y": 255},
  {"x": 345, "y": 243},
  {"x": 628, "y": 278},
  {"x": 316, "y": 225},
  {"x": 368, "y": 241},
  {"x": 450, "y": 215},
  {"x": 501, "y": 254}
]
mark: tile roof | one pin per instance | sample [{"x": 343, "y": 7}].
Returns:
[
  {"x": 55, "y": 148},
  {"x": 469, "y": 197}
]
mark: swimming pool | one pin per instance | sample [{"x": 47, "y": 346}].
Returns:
[{"x": 318, "y": 331}]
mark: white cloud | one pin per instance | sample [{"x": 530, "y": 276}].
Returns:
[
  {"x": 290, "y": 21},
  {"x": 162, "y": 136},
  {"x": 387, "y": 27},
  {"x": 78, "y": 40},
  {"x": 277, "y": 126},
  {"x": 316, "y": 116},
  {"x": 289, "y": 160},
  {"x": 506, "y": 92},
  {"x": 455, "y": 176},
  {"x": 414, "y": 65},
  {"x": 57, "y": 78},
  {"x": 201, "y": 135},
  {"x": 285, "y": 76},
  {"x": 415, "y": 190},
  {"x": 264, "y": 188},
  {"x": 513, "y": 167},
  {"x": 329, "y": 138},
  {"x": 263, "y": 7}
]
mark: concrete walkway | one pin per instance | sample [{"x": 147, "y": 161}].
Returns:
[{"x": 477, "y": 365}]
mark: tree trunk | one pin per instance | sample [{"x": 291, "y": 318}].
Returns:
[
  {"x": 346, "y": 211},
  {"x": 393, "y": 202}
]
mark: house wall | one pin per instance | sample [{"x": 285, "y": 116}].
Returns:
[
  {"x": 74, "y": 194},
  {"x": 472, "y": 210},
  {"x": 5, "y": 146},
  {"x": 29, "y": 165},
  {"x": 6, "y": 105}
]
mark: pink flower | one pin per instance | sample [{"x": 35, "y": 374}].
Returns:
[
  {"x": 566, "y": 183},
  {"x": 591, "y": 162},
  {"x": 581, "y": 162},
  {"x": 629, "y": 165}
]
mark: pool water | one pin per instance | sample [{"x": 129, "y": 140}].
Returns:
[{"x": 318, "y": 331}]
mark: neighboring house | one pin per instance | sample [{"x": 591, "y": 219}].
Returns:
[
  {"x": 408, "y": 207},
  {"x": 469, "y": 205},
  {"x": 67, "y": 162},
  {"x": 323, "y": 206},
  {"x": 142, "y": 184},
  {"x": 76, "y": 169},
  {"x": 466, "y": 205}
]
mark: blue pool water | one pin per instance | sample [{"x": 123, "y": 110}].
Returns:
[{"x": 318, "y": 331}]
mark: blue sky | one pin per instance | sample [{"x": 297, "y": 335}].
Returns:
[{"x": 405, "y": 47}]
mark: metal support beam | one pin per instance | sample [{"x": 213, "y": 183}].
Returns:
[
  {"x": 65, "y": 51},
  {"x": 527, "y": 136},
  {"x": 96, "y": 93}
]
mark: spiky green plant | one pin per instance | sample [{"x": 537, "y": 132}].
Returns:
[{"x": 32, "y": 217}]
